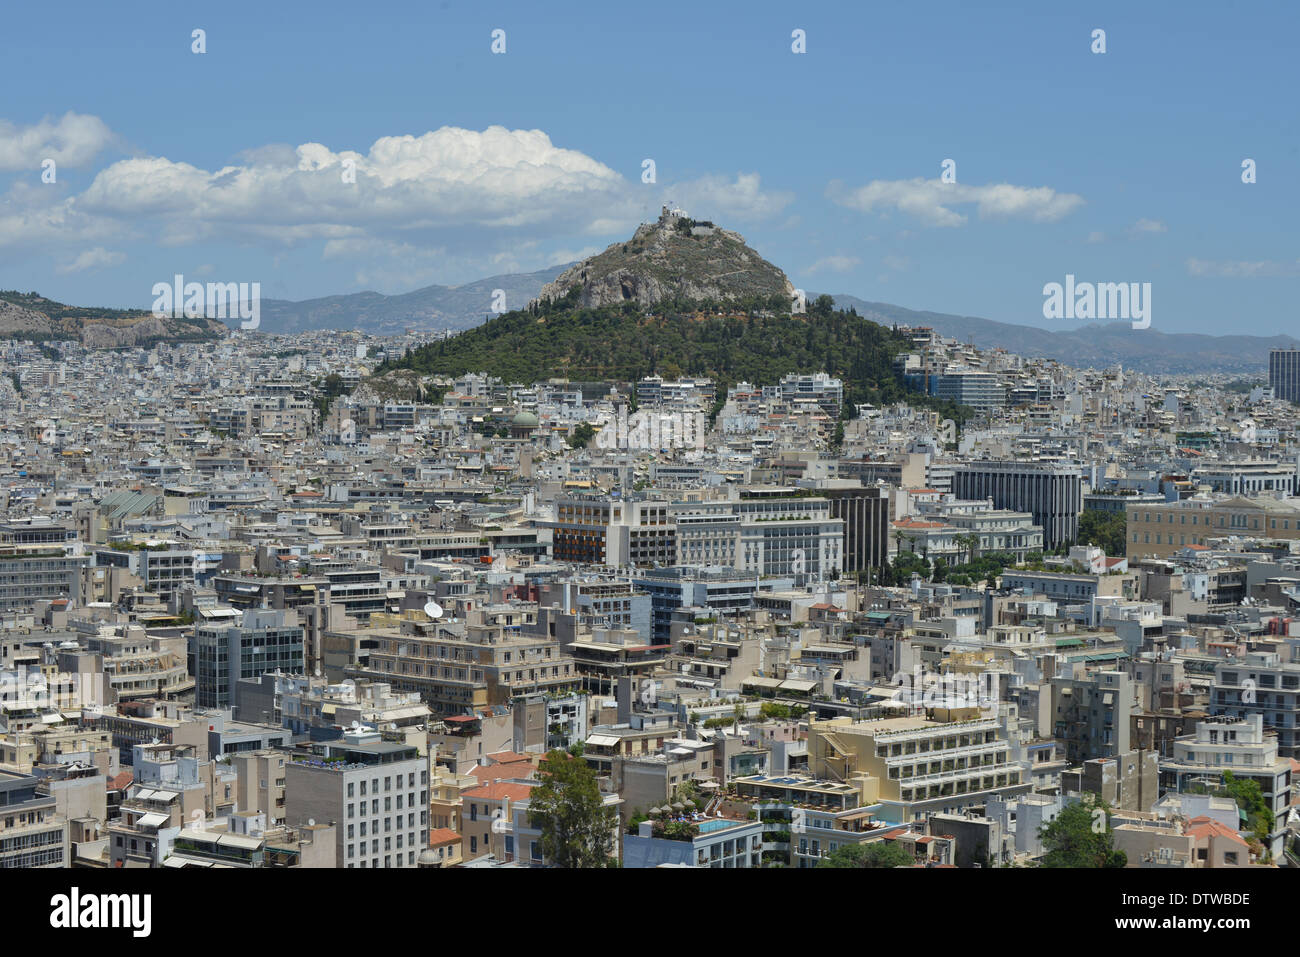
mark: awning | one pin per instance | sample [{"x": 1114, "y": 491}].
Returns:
[
  {"x": 146, "y": 795},
  {"x": 793, "y": 684},
  {"x": 152, "y": 820},
  {"x": 603, "y": 740},
  {"x": 235, "y": 840},
  {"x": 165, "y": 795}
]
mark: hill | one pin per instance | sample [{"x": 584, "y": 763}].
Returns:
[
  {"x": 32, "y": 316},
  {"x": 680, "y": 298},
  {"x": 625, "y": 342},
  {"x": 1095, "y": 345},
  {"x": 676, "y": 258}
]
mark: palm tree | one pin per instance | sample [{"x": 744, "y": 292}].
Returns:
[{"x": 967, "y": 542}]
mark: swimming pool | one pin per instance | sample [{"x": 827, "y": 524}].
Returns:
[{"x": 716, "y": 824}]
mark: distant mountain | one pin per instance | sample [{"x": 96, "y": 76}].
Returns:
[
  {"x": 1096, "y": 345},
  {"x": 675, "y": 258},
  {"x": 433, "y": 307},
  {"x": 32, "y": 316}
]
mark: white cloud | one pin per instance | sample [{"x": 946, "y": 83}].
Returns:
[
  {"x": 96, "y": 258},
  {"x": 1096, "y": 236},
  {"x": 833, "y": 264},
  {"x": 1224, "y": 269},
  {"x": 1149, "y": 226},
  {"x": 896, "y": 263},
  {"x": 721, "y": 200},
  {"x": 488, "y": 196},
  {"x": 73, "y": 139},
  {"x": 932, "y": 201}
]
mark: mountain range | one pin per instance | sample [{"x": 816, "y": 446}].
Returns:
[
  {"x": 1097, "y": 345},
  {"x": 463, "y": 307},
  {"x": 432, "y": 307}
]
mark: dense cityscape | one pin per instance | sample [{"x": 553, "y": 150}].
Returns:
[
  {"x": 238, "y": 585},
  {"x": 610, "y": 439}
]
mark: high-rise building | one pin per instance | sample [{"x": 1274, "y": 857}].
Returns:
[
  {"x": 865, "y": 511},
  {"x": 1284, "y": 373},
  {"x": 263, "y": 641},
  {"x": 1052, "y": 492}
]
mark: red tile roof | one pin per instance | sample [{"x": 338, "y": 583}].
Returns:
[
  {"x": 1204, "y": 828},
  {"x": 499, "y": 790},
  {"x": 443, "y": 835}
]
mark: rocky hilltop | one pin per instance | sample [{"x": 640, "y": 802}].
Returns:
[
  {"x": 31, "y": 316},
  {"x": 674, "y": 258}
]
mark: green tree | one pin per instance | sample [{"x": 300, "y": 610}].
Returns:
[
  {"x": 1246, "y": 792},
  {"x": 875, "y": 854},
  {"x": 1081, "y": 836},
  {"x": 581, "y": 436},
  {"x": 1106, "y": 530},
  {"x": 567, "y": 807}
]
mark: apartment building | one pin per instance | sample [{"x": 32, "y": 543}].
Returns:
[
  {"x": 32, "y": 573},
  {"x": 915, "y": 766},
  {"x": 32, "y": 832},
  {"x": 260, "y": 783},
  {"x": 718, "y": 842},
  {"x": 375, "y": 792},
  {"x": 1242, "y": 747},
  {"x": 1092, "y": 714},
  {"x": 488, "y": 658},
  {"x": 1265, "y": 684}
]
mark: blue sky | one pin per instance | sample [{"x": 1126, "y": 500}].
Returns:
[{"x": 1115, "y": 167}]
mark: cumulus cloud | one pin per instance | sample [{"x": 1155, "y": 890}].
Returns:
[
  {"x": 73, "y": 139},
  {"x": 722, "y": 200},
  {"x": 1224, "y": 269},
  {"x": 833, "y": 264},
  {"x": 933, "y": 202},
  {"x": 96, "y": 258},
  {"x": 489, "y": 197}
]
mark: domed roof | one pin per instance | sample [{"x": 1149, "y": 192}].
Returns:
[
  {"x": 428, "y": 857},
  {"x": 526, "y": 420}
]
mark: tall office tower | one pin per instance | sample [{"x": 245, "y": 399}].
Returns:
[
  {"x": 865, "y": 511},
  {"x": 1052, "y": 492},
  {"x": 1284, "y": 373}
]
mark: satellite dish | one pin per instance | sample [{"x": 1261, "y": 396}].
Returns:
[{"x": 433, "y": 610}]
